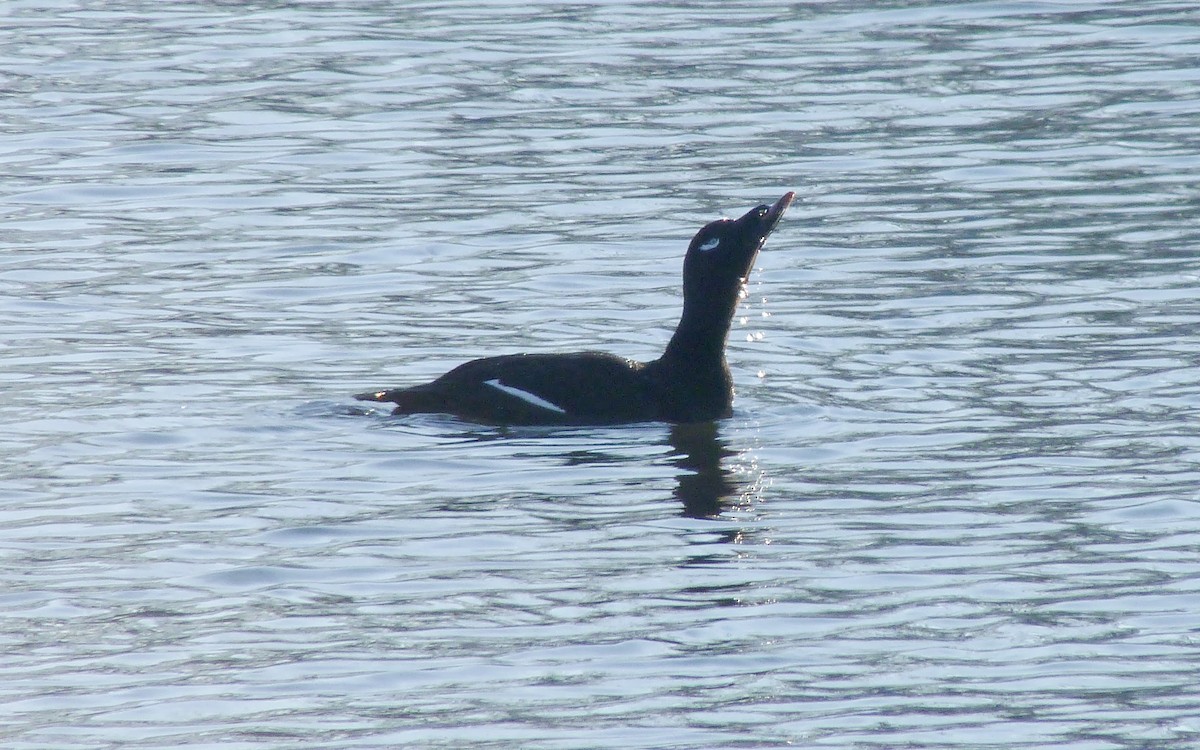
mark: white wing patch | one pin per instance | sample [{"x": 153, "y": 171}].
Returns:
[
  {"x": 526, "y": 396},
  {"x": 709, "y": 244}
]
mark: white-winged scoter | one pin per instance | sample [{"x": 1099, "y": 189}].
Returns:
[{"x": 690, "y": 382}]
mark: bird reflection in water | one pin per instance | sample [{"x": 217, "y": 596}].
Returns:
[{"x": 706, "y": 487}]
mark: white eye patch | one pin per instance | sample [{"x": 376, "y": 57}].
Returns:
[
  {"x": 710, "y": 244},
  {"x": 526, "y": 396}
]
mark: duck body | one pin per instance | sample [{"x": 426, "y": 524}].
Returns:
[
  {"x": 690, "y": 382},
  {"x": 578, "y": 388}
]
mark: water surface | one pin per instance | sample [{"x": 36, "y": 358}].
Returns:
[{"x": 956, "y": 505}]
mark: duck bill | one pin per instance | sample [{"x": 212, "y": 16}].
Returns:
[
  {"x": 775, "y": 213},
  {"x": 758, "y": 224},
  {"x": 764, "y": 222}
]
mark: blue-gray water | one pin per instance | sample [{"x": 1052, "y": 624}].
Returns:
[{"x": 958, "y": 505}]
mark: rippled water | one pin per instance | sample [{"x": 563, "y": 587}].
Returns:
[{"x": 957, "y": 504}]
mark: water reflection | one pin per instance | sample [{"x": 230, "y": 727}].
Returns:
[{"x": 705, "y": 485}]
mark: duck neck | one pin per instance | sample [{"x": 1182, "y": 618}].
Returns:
[
  {"x": 704, "y": 326},
  {"x": 692, "y": 375},
  {"x": 700, "y": 343}
]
